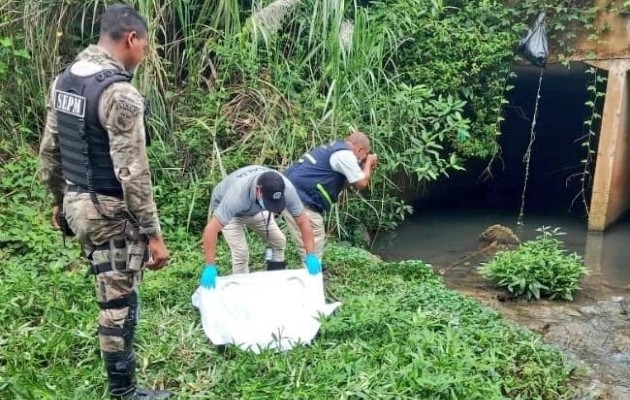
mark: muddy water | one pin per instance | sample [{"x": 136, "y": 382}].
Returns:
[{"x": 594, "y": 330}]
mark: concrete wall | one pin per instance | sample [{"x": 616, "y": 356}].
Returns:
[
  {"x": 611, "y": 186},
  {"x": 615, "y": 43},
  {"x": 612, "y": 43}
]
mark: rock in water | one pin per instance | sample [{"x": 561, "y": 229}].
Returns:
[{"x": 499, "y": 235}]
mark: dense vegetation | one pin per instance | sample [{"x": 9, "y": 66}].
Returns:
[
  {"x": 399, "y": 333},
  {"x": 238, "y": 82},
  {"x": 233, "y": 82}
]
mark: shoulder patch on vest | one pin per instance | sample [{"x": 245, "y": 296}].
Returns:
[
  {"x": 70, "y": 103},
  {"x": 129, "y": 102},
  {"x": 127, "y": 108},
  {"x": 124, "y": 121}
]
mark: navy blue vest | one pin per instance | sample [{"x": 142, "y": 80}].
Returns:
[
  {"x": 317, "y": 184},
  {"x": 83, "y": 142}
]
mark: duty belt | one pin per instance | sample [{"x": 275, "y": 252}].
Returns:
[{"x": 118, "y": 193}]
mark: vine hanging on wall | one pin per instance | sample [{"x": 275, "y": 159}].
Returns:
[{"x": 589, "y": 138}]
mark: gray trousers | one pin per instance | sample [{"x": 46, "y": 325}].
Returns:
[{"x": 234, "y": 235}]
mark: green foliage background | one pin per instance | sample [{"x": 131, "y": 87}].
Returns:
[{"x": 237, "y": 82}]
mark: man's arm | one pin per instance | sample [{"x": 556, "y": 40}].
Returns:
[
  {"x": 296, "y": 209},
  {"x": 304, "y": 224},
  {"x": 210, "y": 234},
  {"x": 345, "y": 162},
  {"x": 122, "y": 110},
  {"x": 123, "y": 114},
  {"x": 50, "y": 155},
  {"x": 368, "y": 167},
  {"x": 223, "y": 207}
]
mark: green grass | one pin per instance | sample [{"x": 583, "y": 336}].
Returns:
[{"x": 399, "y": 334}]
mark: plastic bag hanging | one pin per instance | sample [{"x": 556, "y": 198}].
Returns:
[{"x": 534, "y": 46}]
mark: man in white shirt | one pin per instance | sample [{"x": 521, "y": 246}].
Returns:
[{"x": 321, "y": 175}]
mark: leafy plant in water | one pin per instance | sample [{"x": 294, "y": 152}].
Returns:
[{"x": 538, "y": 268}]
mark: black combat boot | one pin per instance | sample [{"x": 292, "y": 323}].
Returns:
[
  {"x": 121, "y": 367},
  {"x": 146, "y": 394},
  {"x": 276, "y": 265}
]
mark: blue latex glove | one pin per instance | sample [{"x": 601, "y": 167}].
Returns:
[
  {"x": 313, "y": 264},
  {"x": 209, "y": 276}
]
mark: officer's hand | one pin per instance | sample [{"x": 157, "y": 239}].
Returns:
[
  {"x": 55, "y": 217},
  {"x": 209, "y": 276},
  {"x": 159, "y": 253},
  {"x": 313, "y": 264}
]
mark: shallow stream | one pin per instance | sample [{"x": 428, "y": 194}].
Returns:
[{"x": 594, "y": 330}]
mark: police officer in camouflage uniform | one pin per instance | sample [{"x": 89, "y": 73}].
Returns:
[{"x": 95, "y": 164}]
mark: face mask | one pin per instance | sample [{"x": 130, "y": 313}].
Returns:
[{"x": 261, "y": 203}]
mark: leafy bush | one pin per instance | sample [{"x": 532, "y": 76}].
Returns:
[{"x": 538, "y": 268}]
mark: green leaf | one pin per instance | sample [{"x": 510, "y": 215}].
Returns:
[
  {"x": 22, "y": 53},
  {"x": 6, "y": 42}
]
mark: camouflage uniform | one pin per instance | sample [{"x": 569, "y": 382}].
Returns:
[{"x": 115, "y": 244}]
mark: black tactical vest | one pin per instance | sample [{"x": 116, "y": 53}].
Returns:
[{"x": 83, "y": 142}]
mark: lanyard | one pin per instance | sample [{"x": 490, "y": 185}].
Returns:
[
  {"x": 267, "y": 226},
  {"x": 267, "y": 247}
]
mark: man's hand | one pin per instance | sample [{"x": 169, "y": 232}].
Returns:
[
  {"x": 367, "y": 167},
  {"x": 159, "y": 253},
  {"x": 313, "y": 264},
  {"x": 371, "y": 160},
  {"x": 55, "y": 217},
  {"x": 209, "y": 276}
]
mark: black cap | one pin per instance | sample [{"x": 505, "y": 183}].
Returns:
[{"x": 272, "y": 187}]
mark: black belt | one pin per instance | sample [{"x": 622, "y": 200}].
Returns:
[{"x": 105, "y": 192}]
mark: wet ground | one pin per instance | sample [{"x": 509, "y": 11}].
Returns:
[{"x": 594, "y": 330}]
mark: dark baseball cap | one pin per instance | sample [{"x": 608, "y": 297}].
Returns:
[{"x": 272, "y": 187}]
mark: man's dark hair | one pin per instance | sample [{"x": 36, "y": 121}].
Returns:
[{"x": 119, "y": 19}]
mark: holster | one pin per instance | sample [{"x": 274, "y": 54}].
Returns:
[
  {"x": 137, "y": 247},
  {"x": 63, "y": 225}
]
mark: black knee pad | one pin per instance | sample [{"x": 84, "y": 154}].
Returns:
[{"x": 120, "y": 362}]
